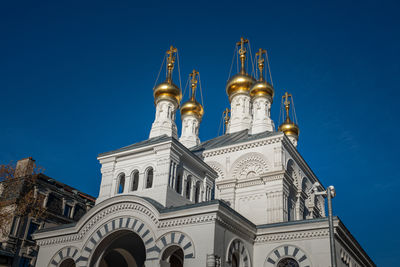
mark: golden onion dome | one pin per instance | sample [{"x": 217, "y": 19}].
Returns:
[
  {"x": 289, "y": 128},
  {"x": 239, "y": 84},
  {"x": 262, "y": 88},
  {"x": 167, "y": 90},
  {"x": 192, "y": 107}
]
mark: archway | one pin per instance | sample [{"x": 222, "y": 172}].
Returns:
[
  {"x": 173, "y": 256},
  {"x": 68, "y": 263},
  {"x": 288, "y": 262},
  {"x": 122, "y": 248}
]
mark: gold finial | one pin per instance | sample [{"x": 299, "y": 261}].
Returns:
[
  {"x": 260, "y": 61},
  {"x": 242, "y": 53},
  {"x": 194, "y": 83},
  {"x": 170, "y": 62},
  {"x": 226, "y": 117},
  {"x": 287, "y": 104}
]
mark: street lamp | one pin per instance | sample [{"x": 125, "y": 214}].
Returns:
[{"x": 329, "y": 193}]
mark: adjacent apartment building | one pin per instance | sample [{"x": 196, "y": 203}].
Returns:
[{"x": 30, "y": 202}]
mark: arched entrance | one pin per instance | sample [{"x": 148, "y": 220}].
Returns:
[
  {"x": 172, "y": 257},
  {"x": 122, "y": 248}
]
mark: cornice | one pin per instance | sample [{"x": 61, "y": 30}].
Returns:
[
  {"x": 286, "y": 236},
  {"x": 242, "y": 146}
]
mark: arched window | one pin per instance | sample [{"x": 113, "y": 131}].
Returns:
[
  {"x": 68, "y": 263},
  {"x": 288, "y": 262},
  {"x": 173, "y": 256},
  {"x": 149, "y": 178},
  {"x": 178, "y": 184},
  {"x": 188, "y": 186},
  {"x": 135, "y": 181},
  {"x": 121, "y": 183},
  {"x": 235, "y": 260},
  {"x": 197, "y": 193}
]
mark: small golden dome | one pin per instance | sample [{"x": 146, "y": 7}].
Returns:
[
  {"x": 167, "y": 90},
  {"x": 192, "y": 107},
  {"x": 262, "y": 88},
  {"x": 239, "y": 84},
  {"x": 289, "y": 128}
]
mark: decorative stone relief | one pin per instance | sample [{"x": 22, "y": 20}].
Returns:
[
  {"x": 287, "y": 251},
  {"x": 238, "y": 249},
  {"x": 176, "y": 238},
  {"x": 249, "y": 163},
  {"x": 63, "y": 254}
]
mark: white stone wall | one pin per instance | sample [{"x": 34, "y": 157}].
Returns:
[
  {"x": 171, "y": 169},
  {"x": 263, "y": 181}
]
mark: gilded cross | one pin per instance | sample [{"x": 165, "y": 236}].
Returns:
[
  {"x": 260, "y": 54},
  {"x": 194, "y": 82},
  {"x": 242, "y": 53},
  {"x": 242, "y": 49},
  {"x": 170, "y": 62},
  {"x": 287, "y": 104},
  {"x": 170, "y": 52}
]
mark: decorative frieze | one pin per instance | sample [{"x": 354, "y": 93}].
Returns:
[{"x": 286, "y": 236}]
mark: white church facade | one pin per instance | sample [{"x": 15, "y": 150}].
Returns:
[{"x": 240, "y": 199}]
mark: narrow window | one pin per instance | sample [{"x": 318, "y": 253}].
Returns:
[
  {"x": 149, "y": 178},
  {"x": 188, "y": 187},
  {"x": 121, "y": 184},
  {"x": 135, "y": 181},
  {"x": 32, "y": 228},
  {"x": 67, "y": 210},
  {"x": 197, "y": 193},
  {"x": 178, "y": 184}
]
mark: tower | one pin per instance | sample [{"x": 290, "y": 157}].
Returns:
[
  {"x": 191, "y": 115},
  {"x": 237, "y": 89},
  {"x": 288, "y": 126},
  {"x": 167, "y": 97},
  {"x": 261, "y": 94}
]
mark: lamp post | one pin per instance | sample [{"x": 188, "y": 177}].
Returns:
[{"x": 329, "y": 193}]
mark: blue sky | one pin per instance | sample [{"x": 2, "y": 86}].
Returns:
[{"x": 76, "y": 80}]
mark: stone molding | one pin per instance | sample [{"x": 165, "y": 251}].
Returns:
[
  {"x": 187, "y": 221},
  {"x": 287, "y": 251},
  {"x": 250, "y": 162},
  {"x": 98, "y": 217},
  {"x": 176, "y": 238},
  {"x": 242, "y": 146},
  {"x": 69, "y": 252},
  {"x": 313, "y": 234}
]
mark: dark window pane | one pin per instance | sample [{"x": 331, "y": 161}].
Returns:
[
  {"x": 288, "y": 262},
  {"x": 54, "y": 204},
  {"x": 79, "y": 212},
  {"x": 121, "y": 184},
  {"x": 188, "y": 187},
  {"x": 67, "y": 211},
  {"x": 135, "y": 182},
  {"x": 149, "y": 180},
  {"x": 32, "y": 228}
]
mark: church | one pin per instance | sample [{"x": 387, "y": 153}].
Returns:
[{"x": 243, "y": 199}]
